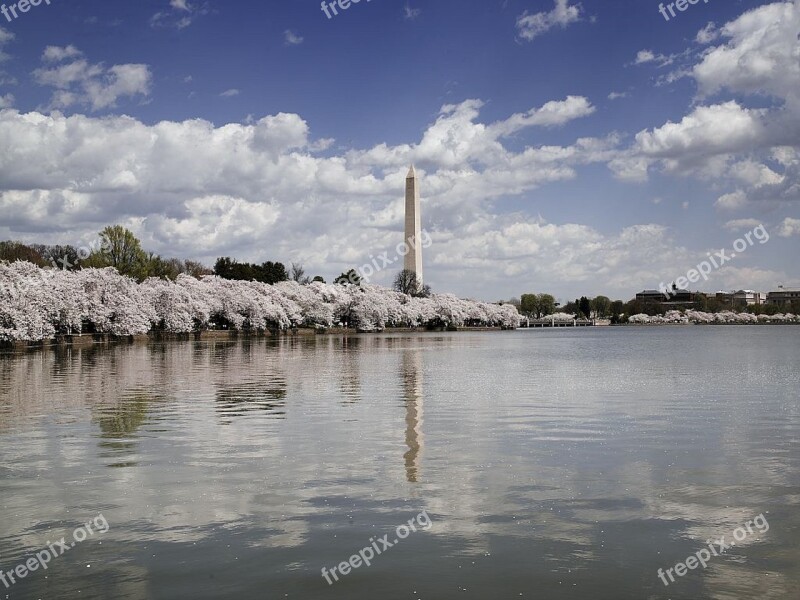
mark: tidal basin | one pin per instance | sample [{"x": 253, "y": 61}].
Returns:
[{"x": 558, "y": 464}]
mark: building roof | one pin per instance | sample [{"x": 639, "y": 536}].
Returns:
[{"x": 670, "y": 290}]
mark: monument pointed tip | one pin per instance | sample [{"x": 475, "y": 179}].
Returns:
[{"x": 411, "y": 172}]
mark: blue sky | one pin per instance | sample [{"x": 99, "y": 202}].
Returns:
[{"x": 573, "y": 148}]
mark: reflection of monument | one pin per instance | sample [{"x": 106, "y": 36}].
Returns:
[
  {"x": 350, "y": 371},
  {"x": 413, "y": 260},
  {"x": 412, "y": 393}
]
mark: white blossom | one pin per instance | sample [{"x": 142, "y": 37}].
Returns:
[{"x": 37, "y": 304}]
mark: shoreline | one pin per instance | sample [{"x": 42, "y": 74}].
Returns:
[{"x": 87, "y": 340}]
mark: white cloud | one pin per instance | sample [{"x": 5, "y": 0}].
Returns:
[
  {"x": 6, "y": 101},
  {"x": 82, "y": 83},
  {"x": 230, "y": 93},
  {"x": 193, "y": 189},
  {"x": 644, "y": 56},
  {"x": 6, "y": 37},
  {"x": 732, "y": 201},
  {"x": 181, "y": 15},
  {"x": 648, "y": 56},
  {"x": 617, "y": 95},
  {"x": 746, "y": 278},
  {"x": 742, "y": 224},
  {"x": 789, "y": 227},
  {"x": 708, "y": 130},
  {"x": 761, "y": 55},
  {"x": 707, "y": 34},
  {"x": 530, "y": 27},
  {"x": 58, "y": 54},
  {"x": 551, "y": 114},
  {"x": 292, "y": 39},
  {"x": 753, "y": 150}
]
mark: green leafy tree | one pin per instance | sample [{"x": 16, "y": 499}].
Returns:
[
  {"x": 701, "y": 302},
  {"x": 617, "y": 311},
  {"x": 351, "y": 276},
  {"x": 65, "y": 258},
  {"x": 272, "y": 272},
  {"x": 119, "y": 248},
  {"x": 528, "y": 304},
  {"x": 17, "y": 251},
  {"x": 537, "y": 305},
  {"x": 268, "y": 272},
  {"x": 601, "y": 305},
  {"x": 546, "y": 305},
  {"x": 571, "y": 308},
  {"x": 635, "y": 307},
  {"x": 585, "y": 307},
  {"x": 155, "y": 266}
]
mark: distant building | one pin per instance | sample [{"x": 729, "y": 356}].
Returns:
[
  {"x": 725, "y": 298},
  {"x": 741, "y": 298},
  {"x": 744, "y": 298},
  {"x": 783, "y": 296},
  {"x": 676, "y": 296}
]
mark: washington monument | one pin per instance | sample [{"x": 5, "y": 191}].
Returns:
[{"x": 413, "y": 260}]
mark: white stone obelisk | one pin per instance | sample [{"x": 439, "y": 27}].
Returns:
[{"x": 413, "y": 260}]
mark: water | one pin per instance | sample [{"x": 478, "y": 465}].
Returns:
[{"x": 551, "y": 463}]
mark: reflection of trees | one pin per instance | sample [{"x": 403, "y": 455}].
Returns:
[
  {"x": 125, "y": 419},
  {"x": 260, "y": 396},
  {"x": 119, "y": 424},
  {"x": 412, "y": 393}
]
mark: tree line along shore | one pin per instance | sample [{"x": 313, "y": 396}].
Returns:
[
  {"x": 39, "y": 304},
  {"x": 113, "y": 288}
]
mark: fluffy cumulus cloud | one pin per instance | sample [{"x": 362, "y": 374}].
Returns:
[
  {"x": 531, "y": 26},
  {"x": 754, "y": 151},
  {"x": 78, "y": 82},
  {"x": 261, "y": 190},
  {"x": 789, "y": 227},
  {"x": 268, "y": 189},
  {"x": 760, "y": 55}
]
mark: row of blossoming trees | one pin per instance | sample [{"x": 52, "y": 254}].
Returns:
[
  {"x": 696, "y": 316},
  {"x": 38, "y": 304},
  {"x": 692, "y": 316}
]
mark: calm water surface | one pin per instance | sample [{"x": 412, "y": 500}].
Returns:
[{"x": 553, "y": 464}]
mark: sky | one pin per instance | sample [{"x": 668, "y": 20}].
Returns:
[{"x": 573, "y": 148}]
